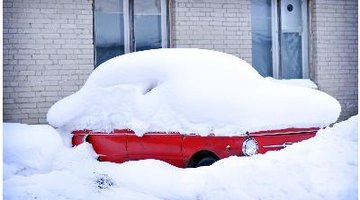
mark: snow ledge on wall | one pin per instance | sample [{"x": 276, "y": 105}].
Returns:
[{"x": 297, "y": 82}]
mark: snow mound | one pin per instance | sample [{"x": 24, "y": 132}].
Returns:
[
  {"x": 188, "y": 90},
  {"x": 30, "y": 148},
  {"x": 321, "y": 168}
]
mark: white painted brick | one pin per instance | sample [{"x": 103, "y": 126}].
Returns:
[
  {"x": 334, "y": 58},
  {"x": 33, "y": 34},
  {"x": 203, "y": 24},
  {"x": 48, "y": 45}
]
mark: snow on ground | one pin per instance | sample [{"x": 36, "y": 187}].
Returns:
[
  {"x": 38, "y": 166},
  {"x": 189, "y": 90}
]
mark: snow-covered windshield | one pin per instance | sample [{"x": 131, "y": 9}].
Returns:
[{"x": 189, "y": 91}]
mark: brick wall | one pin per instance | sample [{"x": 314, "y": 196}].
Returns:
[
  {"x": 335, "y": 51},
  {"x": 48, "y": 54},
  {"x": 222, "y": 25},
  {"x": 48, "y": 47}
]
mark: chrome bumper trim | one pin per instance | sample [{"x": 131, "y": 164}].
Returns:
[{"x": 279, "y": 145}]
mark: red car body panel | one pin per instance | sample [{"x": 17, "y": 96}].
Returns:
[{"x": 179, "y": 149}]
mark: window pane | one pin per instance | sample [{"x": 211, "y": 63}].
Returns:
[
  {"x": 109, "y": 29},
  {"x": 261, "y": 36},
  {"x": 291, "y": 55},
  {"x": 147, "y": 24}
]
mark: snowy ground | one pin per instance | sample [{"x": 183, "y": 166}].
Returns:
[{"x": 37, "y": 165}]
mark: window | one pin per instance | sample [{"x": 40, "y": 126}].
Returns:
[
  {"x": 261, "y": 36},
  {"x": 109, "y": 30},
  {"x": 123, "y": 26},
  {"x": 279, "y": 38}
]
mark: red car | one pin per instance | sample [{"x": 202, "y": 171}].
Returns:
[
  {"x": 186, "y": 150},
  {"x": 188, "y": 107}
]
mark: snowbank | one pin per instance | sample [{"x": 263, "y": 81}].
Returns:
[
  {"x": 324, "y": 167},
  {"x": 29, "y": 147},
  {"x": 189, "y": 90}
]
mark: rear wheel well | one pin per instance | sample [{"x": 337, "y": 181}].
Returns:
[{"x": 198, "y": 156}]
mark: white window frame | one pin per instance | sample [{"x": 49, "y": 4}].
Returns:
[
  {"x": 128, "y": 27},
  {"x": 128, "y": 43},
  {"x": 305, "y": 38}
]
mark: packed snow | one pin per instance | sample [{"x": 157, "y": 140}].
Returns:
[
  {"x": 297, "y": 82},
  {"x": 37, "y": 165},
  {"x": 189, "y": 91}
]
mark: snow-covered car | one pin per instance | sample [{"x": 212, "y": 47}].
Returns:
[{"x": 188, "y": 107}]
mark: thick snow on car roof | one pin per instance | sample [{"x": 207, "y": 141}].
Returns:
[{"x": 189, "y": 91}]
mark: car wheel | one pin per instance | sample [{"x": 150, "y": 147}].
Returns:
[{"x": 207, "y": 161}]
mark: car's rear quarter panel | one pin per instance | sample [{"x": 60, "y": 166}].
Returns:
[{"x": 274, "y": 140}]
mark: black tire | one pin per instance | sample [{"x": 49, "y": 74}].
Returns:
[{"x": 206, "y": 161}]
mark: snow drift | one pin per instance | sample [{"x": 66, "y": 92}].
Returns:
[
  {"x": 322, "y": 168},
  {"x": 32, "y": 147},
  {"x": 188, "y": 90}
]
